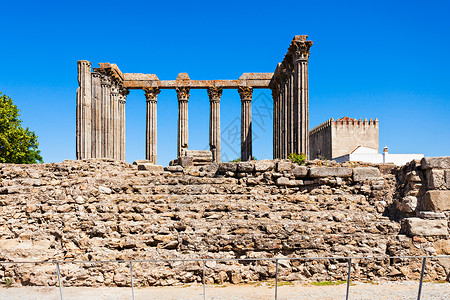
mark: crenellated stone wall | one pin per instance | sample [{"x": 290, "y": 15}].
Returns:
[{"x": 101, "y": 209}]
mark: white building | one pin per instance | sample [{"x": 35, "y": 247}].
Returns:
[{"x": 370, "y": 155}]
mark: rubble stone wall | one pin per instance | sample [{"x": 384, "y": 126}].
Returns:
[{"x": 102, "y": 209}]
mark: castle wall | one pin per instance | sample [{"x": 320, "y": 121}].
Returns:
[
  {"x": 320, "y": 142},
  {"x": 347, "y": 135},
  {"x": 102, "y": 209}
]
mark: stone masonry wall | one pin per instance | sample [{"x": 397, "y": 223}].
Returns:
[{"x": 110, "y": 210}]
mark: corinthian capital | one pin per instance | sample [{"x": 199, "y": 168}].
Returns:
[
  {"x": 182, "y": 93},
  {"x": 215, "y": 93},
  {"x": 300, "y": 48},
  {"x": 245, "y": 92},
  {"x": 151, "y": 94}
]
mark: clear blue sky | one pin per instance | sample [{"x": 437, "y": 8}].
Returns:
[{"x": 384, "y": 59}]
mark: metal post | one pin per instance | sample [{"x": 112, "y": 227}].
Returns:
[
  {"x": 59, "y": 280},
  {"x": 276, "y": 279},
  {"x": 348, "y": 277},
  {"x": 203, "y": 281},
  {"x": 132, "y": 282},
  {"x": 421, "y": 277}
]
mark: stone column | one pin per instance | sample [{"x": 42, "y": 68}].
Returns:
[
  {"x": 245, "y": 93},
  {"x": 106, "y": 100},
  {"x": 122, "y": 100},
  {"x": 284, "y": 114},
  {"x": 113, "y": 122},
  {"x": 214, "y": 94},
  {"x": 84, "y": 111},
  {"x": 151, "y": 94},
  {"x": 279, "y": 117},
  {"x": 275, "y": 97},
  {"x": 300, "y": 50},
  {"x": 183, "y": 132},
  {"x": 96, "y": 115}
]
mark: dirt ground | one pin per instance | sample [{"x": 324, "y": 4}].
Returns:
[{"x": 384, "y": 290}]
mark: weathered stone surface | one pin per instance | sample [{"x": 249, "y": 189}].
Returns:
[
  {"x": 284, "y": 165},
  {"x": 408, "y": 204},
  {"x": 424, "y": 227},
  {"x": 300, "y": 171},
  {"x": 184, "y": 161},
  {"x": 436, "y": 200},
  {"x": 264, "y": 165},
  {"x": 330, "y": 172},
  {"x": 361, "y": 174},
  {"x": 104, "y": 190},
  {"x": 57, "y": 212},
  {"x": 246, "y": 167},
  {"x": 228, "y": 167},
  {"x": 150, "y": 167},
  {"x": 435, "y": 162},
  {"x": 447, "y": 179},
  {"x": 430, "y": 215},
  {"x": 435, "y": 178},
  {"x": 175, "y": 169}
]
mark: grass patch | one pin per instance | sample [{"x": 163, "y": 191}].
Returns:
[
  {"x": 285, "y": 283},
  {"x": 322, "y": 283}
]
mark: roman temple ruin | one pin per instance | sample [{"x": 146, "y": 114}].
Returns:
[{"x": 102, "y": 94}]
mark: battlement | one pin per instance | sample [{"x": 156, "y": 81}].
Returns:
[{"x": 360, "y": 122}]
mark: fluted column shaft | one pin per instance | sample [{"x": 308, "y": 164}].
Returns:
[
  {"x": 151, "y": 94},
  {"x": 112, "y": 147},
  {"x": 246, "y": 122},
  {"x": 301, "y": 52},
  {"x": 122, "y": 129},
  {"x": 214, "y": 94},
  {"x": 183, "y": 130},
  {"x": 276, "y": 98},
  {"x": 106, "y": 100},
  {"x": 83, "y": 141},
  {"x": 96, "y": 115}
]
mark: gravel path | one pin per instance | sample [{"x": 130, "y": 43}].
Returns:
[{"x": 384, "y": 290}]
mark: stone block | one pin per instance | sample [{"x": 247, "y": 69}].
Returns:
[
  {"x": 283, "y": 181},
  {"x": 431, "y": 215},
  {"x": 330, "y": 171},
  {"x": 447, "y": 179},
  {"x": 245, "y": 167},
  {"x": 228, "y": 167},
  {"x": 264, "y": 165},
  {"x": 300, "y": 171},
  {"x": 185, "y": 161},
  {"x": 435, "y": 178},
  {"x": 425, "y": 227},
  {"x": 150, "y": 167},
  {"x": 141, "y": 161},
  {"x": 284, "y": 165},
  {"x": 436, "y": 200},
  {"x": 174, "y": 169},
  {"x": 408, "y": 204},
  {"x": 361, "y": 174},
  {"x": 442, "y": 162}
]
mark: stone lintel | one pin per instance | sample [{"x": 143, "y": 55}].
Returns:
[
  {"x": 140, "y": 80},
  {"x": 111, "y": 70},
  {"x": 196, "y": 84}
]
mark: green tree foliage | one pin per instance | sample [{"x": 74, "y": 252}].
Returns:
[{"x": 17, "y": 145}]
